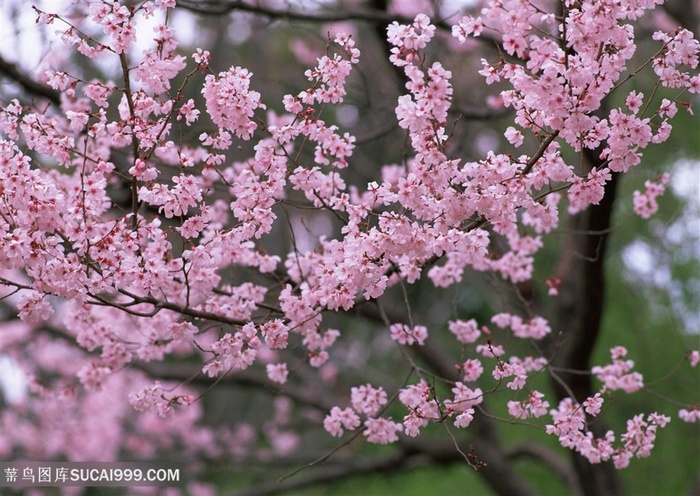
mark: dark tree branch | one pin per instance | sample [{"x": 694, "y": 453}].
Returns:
[
  {"x": 551, "y": 460},
  {"x": 11, "y": 71},
  {"x": 434, "y": 453},
  {"x": 474, "y": 113},
  {"x": 220, "y": 7},
  {"x": 577, "y": 316},
  {"x": 304, "y": 395},
  {"x": 374, "y": 15},
  {"x": 498, "y": 472}
]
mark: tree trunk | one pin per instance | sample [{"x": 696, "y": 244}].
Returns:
[{"x": 576, "y": 322}]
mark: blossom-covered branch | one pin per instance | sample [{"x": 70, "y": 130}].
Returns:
[{"x": 188, "y": 267}]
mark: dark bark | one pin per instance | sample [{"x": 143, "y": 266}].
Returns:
[
  {"x": 10, "y": 70},
  {"x": 577, "y": 322},
  {"x": 498, "y": 471}
]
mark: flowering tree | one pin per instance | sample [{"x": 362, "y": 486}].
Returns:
[{"x": 144, "y": 264}]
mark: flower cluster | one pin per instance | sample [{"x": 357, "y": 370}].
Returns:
[
  {"x": 645, "y": 203},
  {"x": 534, "y": 406},
  {"x": 230, "y": 102},
  {"x": 403, "y": 334},
  {"x": 368, "y": 401},
  {"x": 618, "y": 375}
]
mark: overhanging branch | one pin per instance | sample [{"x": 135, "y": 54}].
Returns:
[{"x": 10, "y": 70}]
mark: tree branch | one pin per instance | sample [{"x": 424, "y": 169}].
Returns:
[
  {"x": 11, "y": 71},
  {"x": 578, "y": 314},
  {"x": 371, "y": 15},
  {"x": 347, "y": 468},
  {"x": 219, "y": 7},
  {"x": 474, "y": 113},
  {"x": 551, "y": 460},
  {"x": 487, "y": 447},
  {"x": 179, "y": 372}
]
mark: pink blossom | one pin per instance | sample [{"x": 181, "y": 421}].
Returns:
[
  {"x": 275, "y": 333},
  {"x": 465, "y": 418},
  {"x": 645, "y": 204},
  {"x": 584, "y": 192},
  {"x": 568, "y": 419},
  {"x": 535, "y": 328},
  {"x": 467, "y": 26},
  {"x": 189, "y": 112},
  {"x": 230, "y": 103},
  {"x": 403, "y": 334},
  {"x": 514, "y": 136},
  {"x": 534, "y": 406},
  {"x": 93, "y": 375},
  {"x": 152, "y": 398},
  {"x": 490, "y": 350},
  {"x": 182, "y": 331},
  {"x": 381, "y": 430},
  {"x": 339, "y": 419},
  {"x": 464, "y": 398},
  {"x": 516, "y": 370},
  {"x": 33, "y": 308},
  {"x": 367, "y": 399},
  {"x": 465, "y": 331},
  {"x": 618, "y": 375},
  {"x": 694, "y": 358},
  {"x": 277, "y": 372},
  {"x": 418, "y": 398},
  {"x": 634, "y": 101},
  {"x": 593, "y": 404},
  {"x": 412, "y": 423},
  {"x": 169, "y": 277},
  {"x": 472, "y": 370},
  {"x": 142, "y": 171},
  {"x": 690, "y": 416}
]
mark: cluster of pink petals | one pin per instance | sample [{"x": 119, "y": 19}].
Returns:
[
  {"x": 230, "y": 102},
  {"x": 645, "y": 204},
  {"x": 367, "y": 401},
  {"x": 618, "y": 374}
]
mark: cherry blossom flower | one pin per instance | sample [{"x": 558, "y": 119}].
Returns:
[
  {"x": 403, "y": 334},
  {"x": 465, "y": 331},
  {"x": 277, "y": 372},
  {"x": 690, "y": 416},
  {"x": 645, "y": 204},
  {"x": 368, "y": 400},
  {"x": 338, "y": 419},
  {"x": 230, "y": 103},
  {"x": 33, "y": 308},
  {"x": 694, "y": 358},
  {"x": 381, "y": 430}
]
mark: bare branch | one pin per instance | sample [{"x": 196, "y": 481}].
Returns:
[
  {"x": 474, "y": 113},
  {"x": 219, "y": 7},
  {"x": 184, "y": 373},
  {"x": 551, "y": 460},
  {"x": 330, "y": 473},
  {"x": 11, "y": 71},
  {"x": 371, "y": 15},
  {"x": 578, "y": 314}
]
